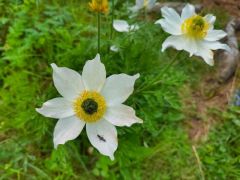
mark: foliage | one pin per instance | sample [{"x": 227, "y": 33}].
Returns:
[
  {"x": 38, "y": 33},
  {"x": 223, "y": 149}
]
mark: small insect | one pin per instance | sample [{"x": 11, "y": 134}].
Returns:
[{"x": 101, "y": 138}]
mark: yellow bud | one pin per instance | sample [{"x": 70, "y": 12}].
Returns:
[{"x": 99, "y": 6}]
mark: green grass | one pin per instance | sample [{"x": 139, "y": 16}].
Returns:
[{"x": 64, "y": 32}]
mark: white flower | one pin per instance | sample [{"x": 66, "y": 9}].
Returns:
[
  {"x": 191, "y": 32},
  {"x": 123, "y": 26},
  {"x": 140, "y": 4},
  {"x": 90, "y": 100}
]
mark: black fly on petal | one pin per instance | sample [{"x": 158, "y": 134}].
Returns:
[{"x": 101, "y": 138}]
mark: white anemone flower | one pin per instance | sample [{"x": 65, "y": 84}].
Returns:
[
  {"x": 123, "y": 26},
  {"x": 93, "y": 100},
  {"x": 191, "y": 32},
  {"x": 143, "y": 4}
]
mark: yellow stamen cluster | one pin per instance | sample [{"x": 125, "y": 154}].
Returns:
[
  {"x": 98, "y": 112},
  {"x": 99, "y": 6},
  {"x": 195, "y": 27}
]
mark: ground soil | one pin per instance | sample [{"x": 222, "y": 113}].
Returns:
[
  {"x": 205, "y": 104},
  {"x": 232, "y": 6}
]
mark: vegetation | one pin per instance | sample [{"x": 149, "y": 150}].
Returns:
[{"x": 36, "y": 33}]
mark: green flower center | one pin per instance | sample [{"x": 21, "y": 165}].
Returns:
[{"x": 89, "y": 106}]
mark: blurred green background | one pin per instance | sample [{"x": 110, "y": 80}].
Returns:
[{"x": 35, "y": 33}]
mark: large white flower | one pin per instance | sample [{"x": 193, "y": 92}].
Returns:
[
  {"x": 90, "y": 100},
  {"x": 141, "y": 4},
  {"x": 191, "y": 32}
]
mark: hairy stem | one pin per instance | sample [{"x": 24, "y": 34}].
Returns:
[
  {"x": 112, "y": 18},
  {"x": 99, "y": 30}
]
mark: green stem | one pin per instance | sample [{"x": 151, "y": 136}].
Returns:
[
  {"x": 99, "y": 30},
  {"x": 158, "y": 78},
  {"x": 173, "y": 60},
  {"x": 145, "y": 13},
  {"x": 111, "y": 29}
]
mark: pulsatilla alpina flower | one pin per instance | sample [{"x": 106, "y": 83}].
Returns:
[
  {"x": 99, "y": 6},
  {"x": 90, "y": 100},
  {"x": 192, "y": 32},
  {"x": 143, "y": 4},
  {"x": 123, "y": 26}
]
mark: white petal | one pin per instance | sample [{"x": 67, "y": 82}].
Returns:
[
  {"x": 118, "y": 88},
  {"x": 187, "y": 12},
  {"x": 56, "y": 108},
  {"x": 121, "y": 115},
  {"x": 94, "y": 74},
  {"x": 180, "y": 42},
  {"x": 171, "y": 22},
  {"x": 67, "y": 129},
  {"x": 121, "y": 26},
  {"x": 103, "y": 136},
  {"x": 133, "y": 27},
  {"x": 134, "y": 9},
  {"x": 114, "y": 48},
  {"x": 169, "y": 27},
  {"x": 173, "y": 41},
  {"x": 151, "y": 4},
  {"x": 210, "y": 19},
  {"x": 205, "y": 53},
  {"x": 171, "y": 16},
  {"x": 214, "y": 45},
  {"x": 139, "y": 3},
  {"x": 214, "y": 35},
  {"x": 190, "y": 46},
  {"x": 67, "y": 81}
]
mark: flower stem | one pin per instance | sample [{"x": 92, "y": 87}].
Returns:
[
  {"x": 111, "y": 29},
  {"x": 158, "y": 78},
  {"x": 145, "y": 13},
  {"x": 173, "y": 60},
  {"x": 99, "y": 30}
]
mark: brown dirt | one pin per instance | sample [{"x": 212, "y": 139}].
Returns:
[
  {"x": 232, "y": 6},
  {"x": 204, "y": 104}
]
